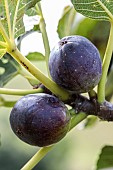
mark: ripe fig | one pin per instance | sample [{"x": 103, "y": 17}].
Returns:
[
  {"x": 40, "y": 119},
  {"x": 75, "y": 64}
]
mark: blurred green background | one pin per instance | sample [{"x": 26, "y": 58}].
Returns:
[{"x": 80, "y": 149}]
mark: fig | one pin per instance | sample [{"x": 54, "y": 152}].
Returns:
[
  {"x": 40, "y": 119},
  {"x": 75, "y": 64}
]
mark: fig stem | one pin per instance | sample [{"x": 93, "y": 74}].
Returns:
[
  {"x": 42, "y": 26},
  {"x": 77, "y": 119},
  {"x": 19, "y": 92},
  {"x": 106, "y": 62},
  {"x": 47, "y": 82},
  {"x": 43, "y": 151},
  {"x": 16, "y": 54},
  {"x": 36, "y": 158}
]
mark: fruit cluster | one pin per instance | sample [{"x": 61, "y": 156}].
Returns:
[{"x": 42, "y": 119}]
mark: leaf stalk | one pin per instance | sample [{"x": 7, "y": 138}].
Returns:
[
  {"x": 42, "y": 26},
  {"x": 47, "y": 82},
  {"x": 106, "y": 62},
  {"x": 19, "y": 92}
]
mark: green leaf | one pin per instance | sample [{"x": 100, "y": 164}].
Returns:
[
  {"x": 2, "y": 52},
  {"x": 96, "y": 9},
  {"x": 35, "y": 56},
  {"x": 66, "y": 23},
  {"x": 16, "y": 9},
  {"x": 8, "y": 69},
  {"x": 85, "y": 27},
  {"x": 105, "y": 158},
  {"x": 37, "y": 28},
  {"x": 2, "y": 49},
  {"x": 91, "y": 29}
]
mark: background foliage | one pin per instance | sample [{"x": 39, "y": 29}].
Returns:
[{"x": 80, "y": 149}]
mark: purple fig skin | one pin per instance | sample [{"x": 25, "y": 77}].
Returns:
[
  {"x": 75, "y": 64},
  {"x": 40, "y": 119}
]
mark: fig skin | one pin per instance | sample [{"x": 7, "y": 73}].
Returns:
[
  {"x": 75, "y": 64},
  {"x": 40, "y": 119}
]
